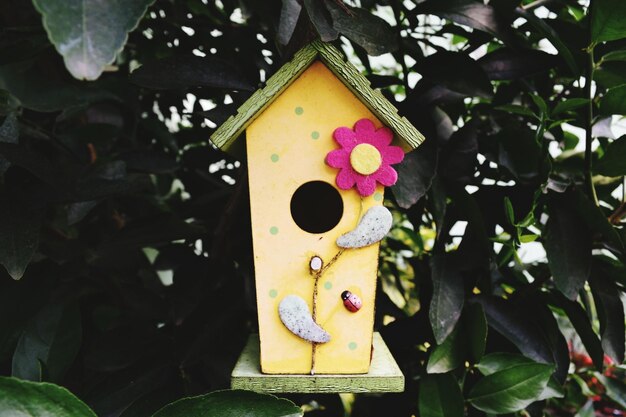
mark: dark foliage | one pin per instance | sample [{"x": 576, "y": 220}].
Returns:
[{"x": 125, "y": 238}]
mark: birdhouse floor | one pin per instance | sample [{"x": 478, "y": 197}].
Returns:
[{"x": 384, "y": 375}]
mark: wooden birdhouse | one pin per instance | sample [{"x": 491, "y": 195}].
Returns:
[{"x": 320, "y": 148}]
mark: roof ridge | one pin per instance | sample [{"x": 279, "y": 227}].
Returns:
[{"x": 226, "y": 135}]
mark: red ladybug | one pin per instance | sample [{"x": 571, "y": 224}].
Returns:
[{"x": 351, "y": 302}]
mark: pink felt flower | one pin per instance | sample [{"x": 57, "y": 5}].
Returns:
[{"x": 365, "y": 157}]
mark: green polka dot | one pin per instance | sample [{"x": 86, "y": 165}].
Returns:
[
  {"x": 274, "y": 157},
  {"x": 328, "y": 285},
  {"x": 274, "y": 230},
  {"x": 378, "y": 196},
  {"x": 273, "y": 293},
  {"x": 352, "y": 345},
  {"x": 299, "y": 110},
  {"x": 315, "y": 135}
]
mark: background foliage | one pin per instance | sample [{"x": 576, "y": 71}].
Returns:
[{"x": 125, "y": 237}]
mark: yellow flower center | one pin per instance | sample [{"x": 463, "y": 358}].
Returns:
[{"x": 365, "y": 159}]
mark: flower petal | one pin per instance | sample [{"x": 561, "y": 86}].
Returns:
[
  {"x": 392, "y": 154},
  {"x": 364, "y": 126},
  {"x": 339, "y": 158},
  {"x": 386, "y": 175},
  {"x": 345, "y": 137},
  {"x": 346, "y": 178},
  {"x": 366, "y": 185},
  {"x": 381, "y": 138}
]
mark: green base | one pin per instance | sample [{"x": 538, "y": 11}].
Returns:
[{"x": 384, "y": 375}]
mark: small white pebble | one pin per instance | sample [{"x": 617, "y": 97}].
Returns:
[{"x": 316, "y": 263}]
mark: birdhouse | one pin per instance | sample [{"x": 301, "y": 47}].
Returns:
[{"x": 321, "y": 145}]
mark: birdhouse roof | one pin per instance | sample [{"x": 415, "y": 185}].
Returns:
[{"x": 228, "y": 133}]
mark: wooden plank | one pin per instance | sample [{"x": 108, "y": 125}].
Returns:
[{"x": 384, "y": 375}]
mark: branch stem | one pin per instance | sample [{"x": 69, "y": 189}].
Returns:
[{"x": 591, "y": 191}]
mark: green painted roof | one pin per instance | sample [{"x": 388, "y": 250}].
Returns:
[{"x": 228, "y": 133}]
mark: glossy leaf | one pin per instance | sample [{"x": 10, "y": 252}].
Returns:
[
  {"x": 289, "y": 15},
  {"x": 368, "y": 31},
  {"x": 52, "y": 340},
  {"x": 612, "y": 162},
  {"x": 570, "y": 264},
  {"x": 569, "y": 105},
  {"x": 440, "y": 396},
  {"x": 415, "y": 175},
  {"x": 610, "y": 310},
  {"x": 513, "y": 322},
  {"x": 615, "y": 389},
  {"x": 442, "y": 68},
  {"x": 510, "y": 64},
  {"x": 614, "y": 101},
  {"x": 321, "y": 19},
  {"x": 587, "y": 410},
  {"x": 190, "y": 71},
  {"x": 582, "y": 324},
  {"x": 465, "y": 12},
  {"x": 546, "y": 30},
  {"x": 89, "y": 33},
  {"x": 608, "y": 20},
  {"x": 231, "y": 404},
  {"x": 511, "y": 389},
  {"x": 9, "y": 132},
  {"x": 448, "y": 296},
  {"x": 19, "y": 397},
  {"x": 19, "y": 228},
  {"x": 465, "y": 344}
]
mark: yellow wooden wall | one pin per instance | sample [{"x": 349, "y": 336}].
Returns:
[{"x": 286, "y": 147}]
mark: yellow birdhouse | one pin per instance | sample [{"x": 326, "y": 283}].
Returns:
[{"x": 320, "y": 148}]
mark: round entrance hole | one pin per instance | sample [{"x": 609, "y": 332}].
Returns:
[{"x": 316, "y": 207}]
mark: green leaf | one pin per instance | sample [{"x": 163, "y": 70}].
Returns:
[
  {"x": 448, "y": 295},
  {"x": 89, "y": 33},
  {"x": 228, "y": 403},
  {"x": 442, "y": 68},
  {"x": 540, "y": 103},
  {"x": 610, "y": 309},
  {"x": 53, "y": 339},
  {"x": 499, "y": 361},
  {"x": 440, "y": 396},
  {"x": 8, "y": 103},
  {"x": 582, "y": 325},
  {"x": 9, "y": 132},
  {"x": 289, "y": 15},
  {"x": 568, "y": 245},
  {"x": 465, "y": 343},
  {"x": 415, "y": 175},
  {"x": 465, "y": 12},
  {"x": 550, "y": 34},
  {"x": 180, "y": 72},
  {"x": 320, "y": 17},
  {"x": 516, "y": 109},
  {"x": 568, "y": 105},
  {"x": 614, "y": 56},
  {"x": 608, "y": 20},
  {"x": 614, "y": 101},
  {"x": 511, "y": 389},
  {"x": 513, "y": 63},
  {"x": 32, "y": 399},
  {"x": 612, "y": 162},
  {"x": 595, "y": 219},
  {"x": 508, "y": 210},
  {"x": 587, "y": 410},
  {"x": 615, "y": 389},
  {"x": 19, "y": 228},
  {"x": 368, "y": 31}
]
